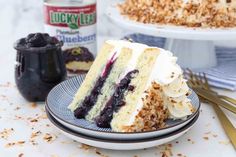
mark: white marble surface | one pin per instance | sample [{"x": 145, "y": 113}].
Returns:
[{"x": 20, "y": 17}]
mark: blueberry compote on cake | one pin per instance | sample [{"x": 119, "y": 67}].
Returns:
[
  {"x": 116, "y": 101},
  {"x": 91, "y": 99},
  {"x": 132, "y": 87}
]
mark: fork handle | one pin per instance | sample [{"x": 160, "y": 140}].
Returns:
[
  {"x": 215, "y": 99},
  {"x": 227, "y": 125},
  {"x": 229, "y": 99},
  {"x": 226, "y": 98}
]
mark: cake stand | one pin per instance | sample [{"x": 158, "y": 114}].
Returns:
[{"x": 194, "y": 47}]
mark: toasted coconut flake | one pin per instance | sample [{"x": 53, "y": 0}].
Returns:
[
  {"x": 190, "y": 14},
  {"x": 153, "y": 114}
]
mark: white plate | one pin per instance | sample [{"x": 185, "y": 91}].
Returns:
[
  {"x": 170, "y": 31},
  {"x": 61, "y": 96},
  {"x": 121, "y": 145}
]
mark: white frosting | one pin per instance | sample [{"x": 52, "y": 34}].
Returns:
[
  {"x": 169, "y": 75},
  {"x": 176, "y": 88},
  {"x": 165, "y": 69},
  {"x": 179, "y": 110}
]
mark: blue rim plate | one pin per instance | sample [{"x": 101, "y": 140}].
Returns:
[
  {"x": 119, "y": 144},
  {"x": 62, "y": 95}
]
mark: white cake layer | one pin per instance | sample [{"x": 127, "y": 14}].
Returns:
[{"x": 137, "y": 50}]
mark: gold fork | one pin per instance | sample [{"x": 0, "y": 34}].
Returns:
[
  {"x": 207, "y": 87},
  {"x": 225, "y": 122},
  {"x": 203, "y": 92}
]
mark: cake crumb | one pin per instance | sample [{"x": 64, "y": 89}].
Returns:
[
  {"x": 49, "y": 138},
  {"x": 35, "y": 134},
  {"x": 21, "y": 155},
  {"x": 17, "y": 108},
  {"x": 34, "y": 120},
  {"x": 33, "y": 105},
  {"x": 18, "y": 143},
  {"x": 206, "y": 138},
  {"x": 18, "y": 117},
  {"x": 207, "y": 133},
  {"x": 5, "y": 134},
  {"x": 167, "y": 152},
  {"x": 164, "y": 154},
  {"x": 85, "y": 147},
  {"x": 8, "y": 84},
  {"x": 97, "y": 152},
  {"x": 32, "y": 141}
]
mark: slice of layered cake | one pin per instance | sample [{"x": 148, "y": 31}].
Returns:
[{"x": 132, "y": 87}]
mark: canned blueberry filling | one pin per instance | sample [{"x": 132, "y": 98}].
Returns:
[{"x": 37, "y": 40}]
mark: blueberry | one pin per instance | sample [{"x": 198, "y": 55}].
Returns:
[
  {"x": 29, "y": 37},
  {"x": 28, "y": 45},
  {"x": 79, "y": 112},
  {"x": 53, "y": 41},
  {"x": 46, "y": 35},
  {"x": 102, "y": 122},
  {"x": 21, "y": 42}
]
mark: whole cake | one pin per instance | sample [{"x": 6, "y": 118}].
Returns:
[
  {"x": 192, "y": 13},
  {"x": 132, "y": 87}
]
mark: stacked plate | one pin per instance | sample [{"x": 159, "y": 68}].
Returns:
[{"x": 88, "y": 133}]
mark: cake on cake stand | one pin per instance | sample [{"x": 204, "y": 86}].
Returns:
[{"x": 194, "y": 47}]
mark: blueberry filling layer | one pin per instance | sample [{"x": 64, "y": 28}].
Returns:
[
  {"x": 116, "y": 101},
  {"x": 91, "y": 99}
]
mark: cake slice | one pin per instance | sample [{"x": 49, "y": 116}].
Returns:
[{"x": 132, "y": 87}]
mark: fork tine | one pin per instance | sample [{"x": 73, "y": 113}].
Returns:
[
  {"x": 190, "y": 84},
  {"x": 203, "y": 81},
  {"x": 206, "y": 81},
  {"x": 196, "y": 80},
  {"x": 196, "y": 77},
  {"x": 190, "y": 74}
]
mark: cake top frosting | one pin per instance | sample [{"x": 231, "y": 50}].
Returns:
[{"x": 191, "y": 13}]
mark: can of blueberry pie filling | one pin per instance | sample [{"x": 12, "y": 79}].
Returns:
[{"x": 74, "y": 23}]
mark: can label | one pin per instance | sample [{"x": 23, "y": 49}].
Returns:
[{"x": 74, "y": 25}]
